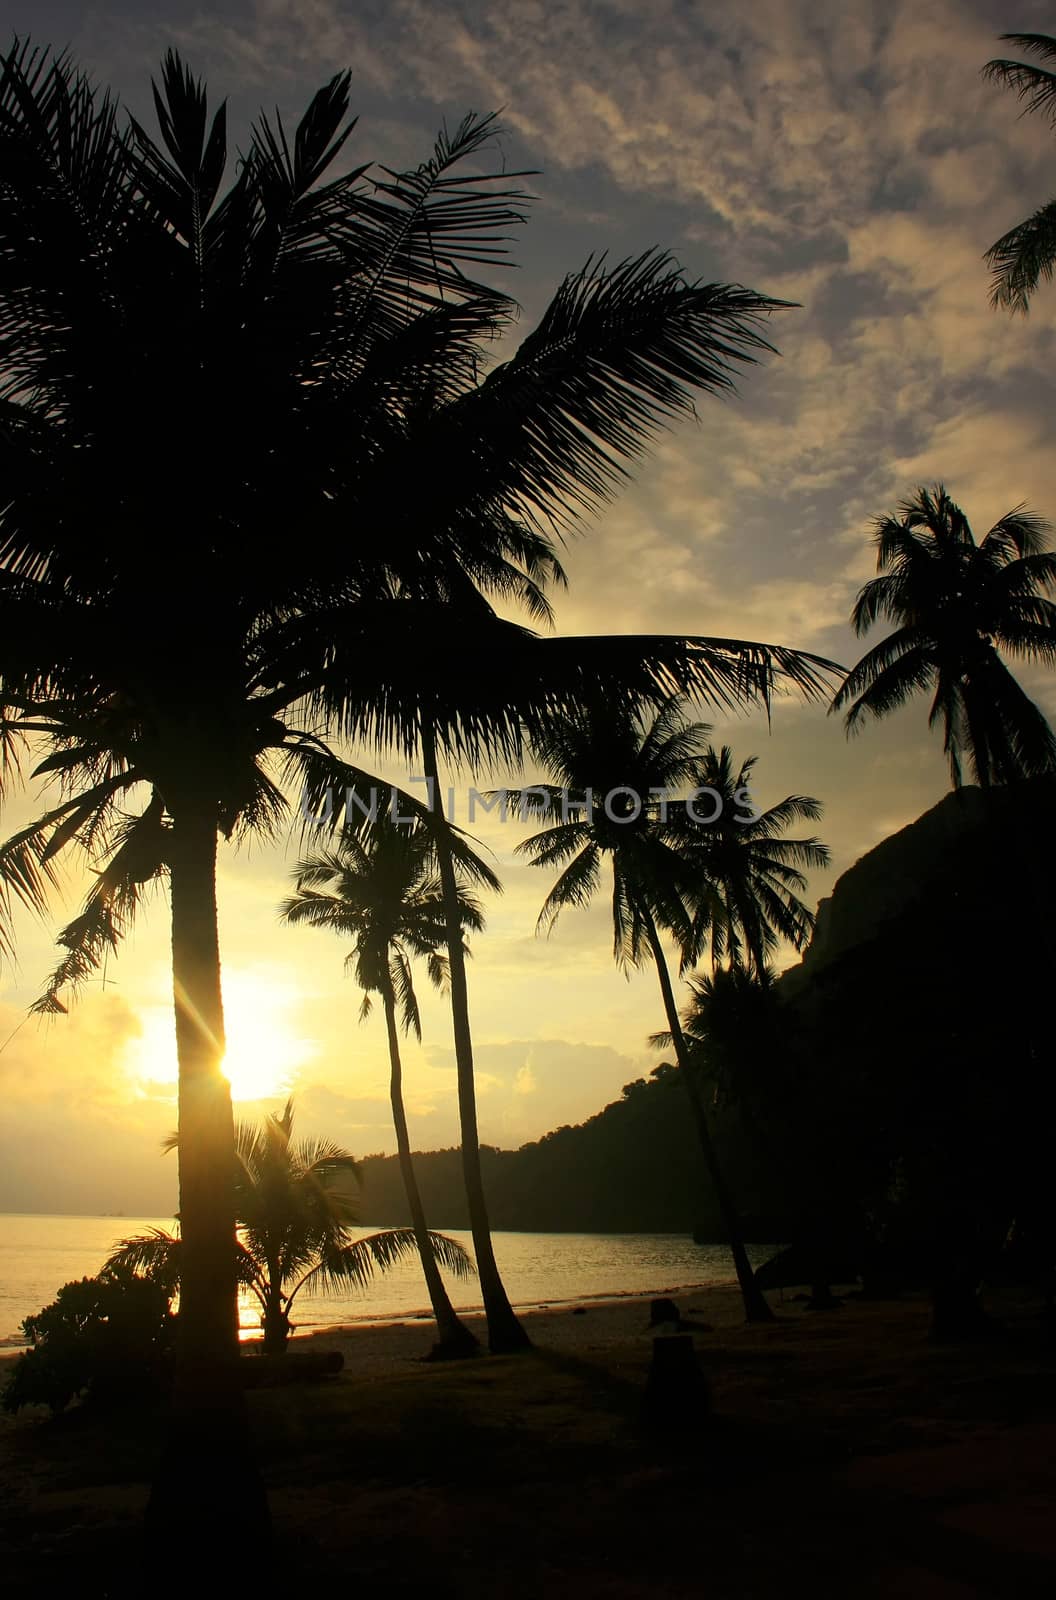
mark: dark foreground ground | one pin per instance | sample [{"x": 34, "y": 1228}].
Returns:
[{"x": 846, "y": 1456}]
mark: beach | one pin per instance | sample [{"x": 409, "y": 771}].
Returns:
[
  {"x": 845, "y": 1448},
  {"x": 611, "y": 1330}
]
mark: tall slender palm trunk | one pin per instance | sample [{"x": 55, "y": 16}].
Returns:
[
  {"x": 756, "y": 1308},
  {"x": 505, "y": 1332},
  {"x": 455, "y": 1338},
  {"x": 207, "y": 1480}
]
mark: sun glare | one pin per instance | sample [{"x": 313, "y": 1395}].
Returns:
[{"x": 263, "y": 1052}]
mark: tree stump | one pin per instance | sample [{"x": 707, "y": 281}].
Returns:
[
  {"x": 676, "y": 1392},
  {"x": 664, "y": 1310}
]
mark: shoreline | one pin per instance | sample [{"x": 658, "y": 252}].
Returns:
[
  {"x": 613, "y": 1330},
  {"x": 420, "y": 1319},
  {"x": 523, "y": 1308}
]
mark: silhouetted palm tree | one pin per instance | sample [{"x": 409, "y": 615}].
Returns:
[
  {"x": 382, "y": 893},
  {"x": 739, "y": 1038},
  {"x": 1027, "y": 253},
  {"x": 252, "y": 330},
  {"x": 296, "y": 345},
  {"x": 478, "y": 703},
  {"x": 751, "y": 874},
  {"x": 613, "y": 779},
  {"x": 957, "y": 606},
  {"x": 296, "y": 1216}
]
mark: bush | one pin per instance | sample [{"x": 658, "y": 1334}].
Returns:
[{"x": 109, "y": 1338}]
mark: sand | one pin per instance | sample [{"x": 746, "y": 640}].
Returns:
[
  {"x": 842, "y": 1452},
  {"x": 590, "y": 1328}
]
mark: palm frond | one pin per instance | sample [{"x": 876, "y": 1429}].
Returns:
[
  {"x": 353, "y": 1265},
  {"x": 138, "y": 859},
  {"x": 182, "y": 186},
  {"x": 1010, "y": 736},
  {"x": 1035, "y": 86},
  {"x": 1022, "y": 258},
  {"x": 576, "y": 886},
  {"x": 1021, "y": 533},
  {"x": 619, "y": 351},
  {"x": 154, "y": 1255},
  {"x": 885, "y": 679},
  {"x": 403, "y": 991}
]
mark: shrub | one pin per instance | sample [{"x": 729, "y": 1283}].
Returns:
[{"x": 109, "y": 1338}]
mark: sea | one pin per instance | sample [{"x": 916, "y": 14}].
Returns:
[{"x": 38, "y": 1254}]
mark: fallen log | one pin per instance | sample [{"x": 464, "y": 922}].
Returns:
[{"x": 269, "y": 1371}]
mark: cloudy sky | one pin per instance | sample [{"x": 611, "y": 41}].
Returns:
[{"x": 841, "y": 154}]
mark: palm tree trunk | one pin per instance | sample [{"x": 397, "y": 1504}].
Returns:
[
  {"x": 505, "y": 1332},
  {"x": 275, "y": 1322},
  {"x": 756, "y": 1308},
  {"x": 207, "y": 1479},
  {"x": 455, "y": 1337}
]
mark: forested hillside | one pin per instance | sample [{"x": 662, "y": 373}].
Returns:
[{"x": 633, "y": 1168}]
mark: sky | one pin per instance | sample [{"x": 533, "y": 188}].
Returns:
[{"x": 845, "y": 156}]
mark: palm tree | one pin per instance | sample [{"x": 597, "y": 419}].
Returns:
[
  {"x": 746, "y": 1047},
  {"x": 296, "y": 1215},
  {"x": 614, "y": 778},
  {"x": 957, "y": 606},
  {"x": 750, "y": 873},
  {"x": 382, "y": 892},
  {"x": 1026, "y": 253},
  {"x": 297, "y": 345},
  {"x": 124, "y": 272},
  {"x": 478, "y": 705}
]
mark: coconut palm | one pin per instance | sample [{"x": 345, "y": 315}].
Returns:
[
  {"x": 509, "y": 684},
  {"x": 751, "y": 875},
  {"x": 740, "y": 1040},
  {"x": 296, "y": 1215},
  {"x": 959, "y": 607},
  {"x": 296, "y": 344},
  {"x": 614, "y": 777},
  {"x": 382, "y": 894},
  {"x": 124, "y": 272},
  {"x": 1026, "y": 253}
]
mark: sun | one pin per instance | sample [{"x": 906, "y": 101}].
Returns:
[
  {"x": 263, "y": 1052},
  {"x": 264, "y": 1047}
]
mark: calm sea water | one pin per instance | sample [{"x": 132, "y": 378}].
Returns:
[{"x": 38, "y": 1254}]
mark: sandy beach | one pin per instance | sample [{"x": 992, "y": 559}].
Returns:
[
  {"x": 609, "y": 1329},
  {"x": 843, "y": 1444}
]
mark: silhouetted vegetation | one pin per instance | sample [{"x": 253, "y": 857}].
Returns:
[
  {"x": 634, "y": 1167},
  {"x": 1026, "y": 253},
  {"x": 297, "y": 1208},
  {"x": 383, "y": 893},
  {"x": 298, "y": 343},
  {"x": 959, "y": 608},
  {"x": 110, "y": 1338},
  {"x": 882, "y": 1104},
  {"x": 290, "y": 382},
  {"x": 616, "y": 783}
]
